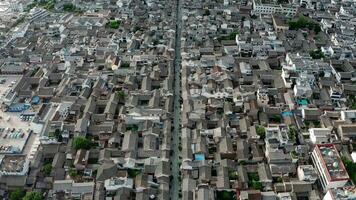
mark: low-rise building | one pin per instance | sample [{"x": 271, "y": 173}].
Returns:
[{"x": 307, "y": 173}]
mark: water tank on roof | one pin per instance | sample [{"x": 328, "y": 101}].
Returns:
[
  {"x": 335, "y": 164},
  {"x": 330, "y": 153}
]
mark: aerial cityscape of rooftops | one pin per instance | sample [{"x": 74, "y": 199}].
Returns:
[{"x": 178, "y": 99}]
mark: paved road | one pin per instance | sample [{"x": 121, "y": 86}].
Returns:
[{"x": 175, "y": 184}]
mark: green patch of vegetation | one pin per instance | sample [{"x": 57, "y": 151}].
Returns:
[
  {"x": 45, "y": 4},
  {"x": 33, "y": 196},
  {"x": 206, "y": 12},
  {"x": 19, "y": 21},
  {"x": 277, "y": 179},
  {"x": 30, "y": 6},
  {"x": 260, "y": 130},
  {"x": 133, "y": 128},
  {"x": 226, "y": 195},
  {"x": 114, "y": 24},
  {"x": 316, "y": 54},
  {"x": 56, "y": 134},
  {"x": 254, "y": 17},
  {"x": 306, "y": 136},
  {"x": 34, "y": 71},
  {"x": 292, "y": 133},
  {"x": 47, "y": 169},
  {"x": 121, "y": 94},
  {"x": 312, "y": 124},
  {"x": 73, "y": 173},
  {"x": 303, "y": 22},
  {"x": 17, "y": 194},
  {"x": 294, "y": 154},
  {"x": 81, "y": 143},
  {"x": 69, "y": 7},
  {"x": 125, "y": 65},
  {"x": 316, "y": 124},
  {"x": 254, "y": 181},
  {"x": 231, "y": 36},
  {"x": 276, "y": 118},
  {"x": 48, "y": 5},
  {"x": 242, "y": 162},
  {"x": 352, "y": 102},
  {"x": 350, "y": 167},
  {"x": 233, "y": 175},
  {"x": 93, "y": 160},
  {"x": 132, "y": 173},
  {"x": 253, "y": 176}
]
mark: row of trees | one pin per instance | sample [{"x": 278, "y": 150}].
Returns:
[
  {"x": 304, "y": 22},
  {"x": 350, "y": 168},
  {"x": 20, "y": 194}
]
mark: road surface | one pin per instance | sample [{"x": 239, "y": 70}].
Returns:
[{"x": 175, "y": 183}]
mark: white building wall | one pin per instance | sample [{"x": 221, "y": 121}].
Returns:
[
  {"x": 323, "y": 177},
  {"x": 328, "y": 196}
]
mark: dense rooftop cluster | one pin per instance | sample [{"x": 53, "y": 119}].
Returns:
[
  {"x": 268, "y": 99},
  {"x": 193, "y": 100}
]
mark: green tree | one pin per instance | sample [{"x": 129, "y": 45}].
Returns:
[
  {"x": 260, "y": 130},
  {"x": 81, "y": 143},
  {"x": 257, "y": 185},
  {"x": 350, "y": 168},
  {"x": 231, "y": 36},
  {"x": 206, "y": 12},
  {"x": 114, "y": 24},
  {"x": 276, "y": 118},
  {"x": 33, "y": 196},
  {"x": 125, "y": 65},
  {"x": 254, "y": 181},
  {"x": 47, "y": 169},
  {"x": 292, "y": 133},
  {"x": 233, "y": 175},
  {"x": 133, "y": 172},
  {"x": 17, "y": 194},
  {"x": 226, "y": 195},
  {"x": 304, "y": 22},
  {"x": 316, "y": 54},
  {"x": 68, "y": 7},
  {"x": 58, "y": 135},
  {"x": 72, "y": 172}
]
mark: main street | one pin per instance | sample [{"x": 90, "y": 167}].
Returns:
[{"x": 175, "y": 183}]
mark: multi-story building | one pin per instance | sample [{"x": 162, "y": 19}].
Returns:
[
  {"x": 344, "y": 193},
  {"x": 331, "y": 170},
  {"x": 269, "y": 9}
]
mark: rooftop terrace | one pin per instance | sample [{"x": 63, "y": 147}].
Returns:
[
  {"x": 332, "y": 162},
  {"x": 13, "y": 164}
]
